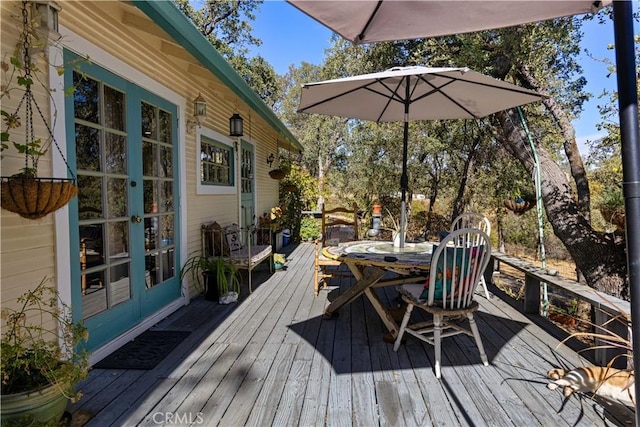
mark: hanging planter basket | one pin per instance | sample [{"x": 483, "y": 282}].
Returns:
[
  {"x": 24, "y": 193},
  {"x": 290, "y": 188},
  {"x": 34, "y": 198},
  {"x": 519, "y": 206},
  {"x": 277, "y": 173}
]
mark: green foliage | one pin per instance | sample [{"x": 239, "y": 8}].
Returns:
[
  {"x": 226, "y": 24},
  {"x": 309, "y": 229},
  {"x": 226, "y": 274},
  {"x": 33, "y": 356},
  {"x": 304, "y": 197},
  {"x": 612, "y": 197}
]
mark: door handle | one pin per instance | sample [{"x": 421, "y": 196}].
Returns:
[{"x": 136, "y": 219}]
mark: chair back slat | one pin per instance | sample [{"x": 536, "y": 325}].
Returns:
[
  {"x": 457, "y": 265},
  {"x": 340, "y": 224},
  {"x": 472, "y": 220}
]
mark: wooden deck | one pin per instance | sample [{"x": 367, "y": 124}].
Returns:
[{"x": 274, "y": 360}]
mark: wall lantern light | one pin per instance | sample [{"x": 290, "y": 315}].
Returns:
[
  {"x": 235, "y": 125},
  {"x": 270, "y": 159},
  {"x": 199, "y": 113},
  {"x": 46, "y": 13}
]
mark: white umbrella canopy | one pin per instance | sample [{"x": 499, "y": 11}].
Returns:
[
  {"x": 413, "y": 93},
  {"x": 365, "y": 21},
  {"x": 434, "y": 93}
]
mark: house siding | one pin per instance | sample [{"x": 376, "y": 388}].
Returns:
[{"x": 28, "y": 248}]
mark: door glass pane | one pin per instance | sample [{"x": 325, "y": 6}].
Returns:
[
  {"x": 119, "y": 256},
  {"x": 114, "y": 109},
  {"x": 158, "y": 202},
  {"x": 166, "y": 166},
  {"x": 116, "y": 161},
  {"x": 91, "y": 246},
  {"x": 86, "y": 98},
  {"x": 149, "y": 159},
  {"x": 246, "y": 170},
  {"x": 89, "y": 197},
  {"x": 166, "y": 202},
  {"x": 94, "y": 295},
  {"x": 166, "y": 227},
  {"x": 118, "y": 241},
  {"x": 117, "y": 197},
  {"x": 88, "y": 148},
  {"x": 168, "y": 267},
  {"x": 149, "y": 121},
  {"x": 120, "y": 286},
  {"x": 151, "y": 233},
  {"x": 165, "y": 127}
]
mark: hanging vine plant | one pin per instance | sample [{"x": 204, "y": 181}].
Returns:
[{"x": 25, "y": 193}]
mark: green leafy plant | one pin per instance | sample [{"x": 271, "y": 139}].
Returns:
[
  {"x": 309, "y": 229},
  {"x": 227, "y": 276},
  {"x": 304, "y": 197},
  {"x": 612, "y": 199},
  {"x": 34, "y": 354}
]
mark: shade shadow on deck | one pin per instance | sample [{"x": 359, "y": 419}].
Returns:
[{"x": 274, "y": 359}]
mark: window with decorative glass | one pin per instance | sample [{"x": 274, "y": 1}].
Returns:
[{"x": 216, "y": 163}]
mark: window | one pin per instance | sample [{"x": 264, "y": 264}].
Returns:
[{"x": 216, "y": 163}]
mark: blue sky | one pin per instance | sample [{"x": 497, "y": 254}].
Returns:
[{"x": 291, "y": 37}]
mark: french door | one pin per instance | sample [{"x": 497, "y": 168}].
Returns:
[
  {"x": 122, "y": 144},
  {"x": 246, "y": 185}
]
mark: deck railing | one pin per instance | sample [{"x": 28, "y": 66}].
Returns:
[{"x": 605, "y": 307}]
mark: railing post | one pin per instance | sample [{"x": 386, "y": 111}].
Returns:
[
  {"x": 493, "y": 265},
  {"x": 531, "y": 295},
  {"x": 605, "y": 355}
]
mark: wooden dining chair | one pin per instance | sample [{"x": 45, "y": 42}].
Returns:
[
  {"x": 457, "y": 264},
  {"x": 474, "y": 220},
  {"x": 338, "y": 225}
]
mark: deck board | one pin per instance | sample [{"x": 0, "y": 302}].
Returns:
[{"x": 274, "y": 359}]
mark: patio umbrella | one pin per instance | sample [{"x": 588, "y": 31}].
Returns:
[
  {"x": 413, "y": 19},
  {"x": 365, "y": 21},
  {"x": 413, "y": 93}
]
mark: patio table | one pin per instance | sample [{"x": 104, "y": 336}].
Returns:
[{"x": 369, "y": 261}]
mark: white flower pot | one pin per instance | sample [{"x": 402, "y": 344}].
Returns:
[{"x": 229, "y": 298}]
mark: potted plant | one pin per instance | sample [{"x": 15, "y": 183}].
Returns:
[
  {"x": 216, "y": 278},
  {"x": 25, "y": 193},
  {"x": 42, "y": 358},
  {"x": 228, "y": 281}
]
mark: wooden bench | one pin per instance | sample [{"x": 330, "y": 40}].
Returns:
[
  {"x": 237, "y": 245},
  {"x": 606, "y": 307}
]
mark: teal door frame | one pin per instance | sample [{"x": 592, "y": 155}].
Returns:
[{"x": 143, "y": 300}]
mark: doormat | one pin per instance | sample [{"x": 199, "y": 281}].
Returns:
[{"x": 144, "y": 352}]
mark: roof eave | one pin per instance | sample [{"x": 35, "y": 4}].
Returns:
[{"x": 167, "y": 15}]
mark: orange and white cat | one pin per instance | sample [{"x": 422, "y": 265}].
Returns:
[{"x": 610, "y": 383}]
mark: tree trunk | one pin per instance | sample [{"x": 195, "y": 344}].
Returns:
[
  {"x": 578, "y": 171},
  {"x": 459, "y": 202},
  {"x": 599, "y": 256}
]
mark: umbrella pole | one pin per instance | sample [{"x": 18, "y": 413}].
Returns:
[
  {"x": 630, "y": 146},
  {"x": 404, "y": 179}
]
